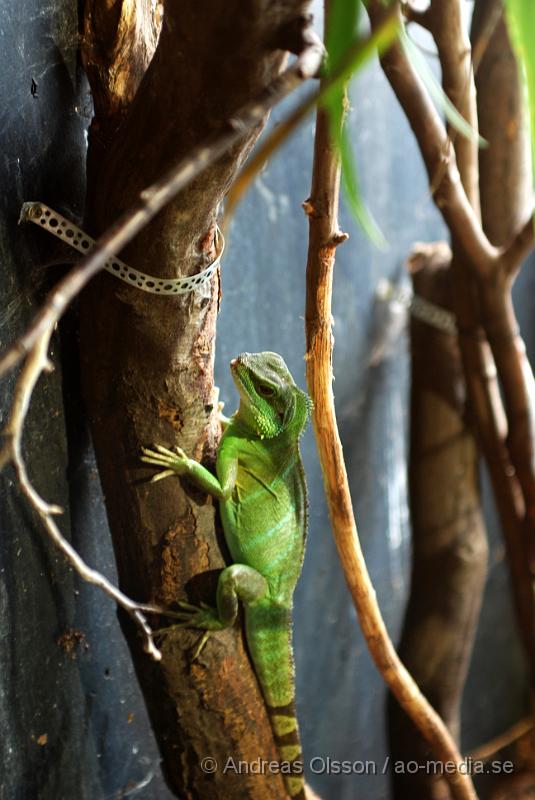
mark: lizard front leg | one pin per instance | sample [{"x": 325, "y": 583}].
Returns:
[{"x": 176, "y": 462}]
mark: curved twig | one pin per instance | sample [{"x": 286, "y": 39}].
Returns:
[
  {"x": 324, "y": 236},
  {"x": 359, "y": 52},
  {"x": 491, "y": 269},
  {"x": 34, "y": 343},
  {"x": 439, "y": 159},
  {"x": 36, "y": 363},
  {"x": 158, "y": 195}
]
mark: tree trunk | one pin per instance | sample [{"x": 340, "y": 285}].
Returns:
[
  {"x": 147, "y": 362},
  {"x": 448, "y": 534}
]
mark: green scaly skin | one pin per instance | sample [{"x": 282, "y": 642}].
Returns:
[{"x": 261, "y": 489}]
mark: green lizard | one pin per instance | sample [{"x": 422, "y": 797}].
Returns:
[{"x": 261, "y": 489}]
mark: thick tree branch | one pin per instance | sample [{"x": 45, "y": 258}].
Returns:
[
  {"x": 439, "y": 159},
  {"x": 147, "y": 366},
  {"x": 119, "y": 40},
  {"x": 485, "y": 299},
  {"x": 475, "y": 259},
  {"x": 234, "y": 132},
  {"x": 505, "y": 162},
  {"x": 449, "y": 544},
  {"x": 35, "y": 342},
  {"x": 158, "y": 195}
]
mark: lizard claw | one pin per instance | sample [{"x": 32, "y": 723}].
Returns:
[
  {"x": 187, "y": 606},
  {"x": 202, "y": 616},
  {"x": 159, "y": 475},
  {"x": 173, "y": 461},
  {"x": 200, "y": 646},
  {"x": 170, "y": 454}
]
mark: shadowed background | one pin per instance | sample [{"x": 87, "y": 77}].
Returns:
[{"x": 75, "y": 727}]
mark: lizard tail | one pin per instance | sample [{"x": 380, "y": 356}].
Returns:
[
  {"x": 286, "y": 733},
  {"x": 269, "y": 632}
]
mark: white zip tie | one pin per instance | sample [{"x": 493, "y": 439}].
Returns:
[
  {"x": 421, "y": 309},
  {"x": 61, "y": 227}
]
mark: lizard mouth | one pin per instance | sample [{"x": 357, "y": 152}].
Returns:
[
  {"x": 243, "y": 378},
  {"x": 240, "y": 374}
]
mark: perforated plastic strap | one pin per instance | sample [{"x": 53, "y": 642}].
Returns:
[
  {"x": 54, "y": 223},
  {"x": 420, "y": 308}
]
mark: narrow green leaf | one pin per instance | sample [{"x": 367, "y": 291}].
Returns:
[
  {"x": 521, "y": 23},
  {"x": 359, "y": 53},
  {"x": 353, "y": 195},
  {"x": 345, "y": 58},
  {"x": 342, "y": 30},
  {"x": 437, "y": 93}
]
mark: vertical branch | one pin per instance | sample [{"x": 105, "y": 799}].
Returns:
[
  {"x": 119, "y": 40},
  {"x": 483, "y": 301},
  {"x": 477, "y": 256},
  {"x": 505, "y": 164},
  {"x": 148, "y": 364},
  {"x": 506, "y": 198},
  {"x": 448, "y": 21},
  {"x": 449, "y": 538},
  {"x": 449, "y": 544},
  {"x": 324, "y": 236}
]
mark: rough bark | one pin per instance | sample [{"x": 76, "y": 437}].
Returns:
[
  {"x": 119, "y": 39},
  {"x": 449, "y": 542},
  {"x": 147, "y": 364}
]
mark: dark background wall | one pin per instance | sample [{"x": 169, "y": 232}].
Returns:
[{"x": 98, "y": 741}]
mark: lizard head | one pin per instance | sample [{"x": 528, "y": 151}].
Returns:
[{"x": 270, "y": 401}]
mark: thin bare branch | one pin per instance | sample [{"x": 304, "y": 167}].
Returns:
[
  {"x": 37, "y": 363},
  {"x": 322, "y": 210},
  {"x": 454, "y": 52},
  {"x": 360, "y": 50},
  {"x": 34, "y": 343},
  {"x": 484, "y": 752},
  {"x": 520, "y": 247},
  {"x": 413, "y": 14},
  {"x": 155, "y": 197},
  {"x": 439, "y": 157}
]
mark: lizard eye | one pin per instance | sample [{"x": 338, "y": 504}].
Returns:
[{"x": 265, "y": 391}]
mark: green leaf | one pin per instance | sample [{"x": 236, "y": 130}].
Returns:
[
  {"x": 434, "y": 88},
  {"x": 345, "y": 57},
  {"x": 521, "y": 23},
  {"x": 352, "y": 193},
  {"x": 342, "y": 29}
]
